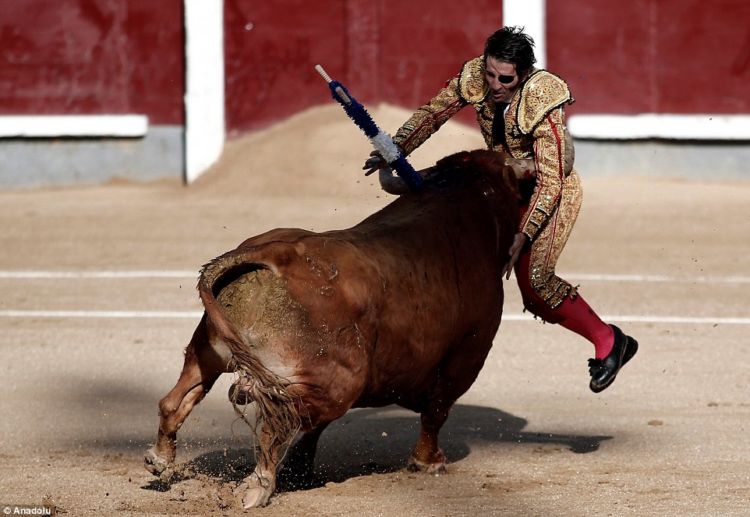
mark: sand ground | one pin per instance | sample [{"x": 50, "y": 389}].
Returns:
[{"x": 80, "y": 392}]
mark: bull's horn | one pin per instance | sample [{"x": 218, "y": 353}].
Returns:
[
  {"x": 390, "y": 183},
  {"x": 395, "y": 184}
]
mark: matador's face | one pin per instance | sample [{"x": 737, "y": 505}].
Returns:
[{"x": 502, "y": 78}]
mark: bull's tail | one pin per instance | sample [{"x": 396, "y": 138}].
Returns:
[{"x": 277, "y": 414}]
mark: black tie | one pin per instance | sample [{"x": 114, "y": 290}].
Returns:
[{"x": 498, "y": 124}]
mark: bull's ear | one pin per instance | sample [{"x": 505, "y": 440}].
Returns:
[
  {"x": 425, "y": 173},
  {"x": 459, "y": 161}
]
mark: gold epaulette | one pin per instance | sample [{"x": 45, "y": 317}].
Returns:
[
  {"x": 542, "y": 93},
  {"x": 471, "y": 83}
]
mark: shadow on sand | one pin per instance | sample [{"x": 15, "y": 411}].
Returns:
[{"x": 379, "y": 440}]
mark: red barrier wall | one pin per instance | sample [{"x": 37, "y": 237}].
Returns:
[
  {"x": 270, "y": 51},
  {"x": 383, "y": 50},
  {"x": 424, "y": 44},
  {"x": 115, "y": 56},
  {"x": 662, "y": 56},
  {"x": 92, "y": 57}
]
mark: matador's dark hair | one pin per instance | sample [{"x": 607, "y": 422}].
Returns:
[{"x": 511, "y": 44}]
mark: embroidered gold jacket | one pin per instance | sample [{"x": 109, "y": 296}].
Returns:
[{"x": 534, "y": 128}]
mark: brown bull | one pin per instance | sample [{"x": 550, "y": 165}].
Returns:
[{"x": 400, "y": 309}]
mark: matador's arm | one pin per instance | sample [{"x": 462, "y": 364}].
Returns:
[
  {"x": 549, "y": 158},
  {"x": 541, "y": 114},
  {"x": 428, "y": 119}
]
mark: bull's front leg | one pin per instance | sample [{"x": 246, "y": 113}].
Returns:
[
  {"x": 197, "y": 377},
  {"x": 457, "y": 372},
  {"x": 427, "y": 456}
]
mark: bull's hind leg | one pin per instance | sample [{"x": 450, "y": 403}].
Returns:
[
  {"x": 273, "y": 446},
  {"x": 261, "y": 484},
  {"x": 300, "y": 463},
  {"x": 457, "y": 373},
  {"x": 199, "y": 372}
]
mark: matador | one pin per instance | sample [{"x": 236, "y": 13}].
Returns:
[{"x": 521, "y": 111}]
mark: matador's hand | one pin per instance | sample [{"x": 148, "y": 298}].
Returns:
[{"x": 519, "y": 241}]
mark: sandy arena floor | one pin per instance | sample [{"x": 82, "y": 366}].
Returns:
[{"x": 81, "y": 385}]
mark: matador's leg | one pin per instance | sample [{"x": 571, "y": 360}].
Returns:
[{"x": 556, "y": 301}]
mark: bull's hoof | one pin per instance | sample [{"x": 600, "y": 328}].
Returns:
[
  {"x": 436, "y": 468},
  {"x": 155, "y": 463},
  {"x": 256, "y": 491},
  {"x": 255, "y": 498}
]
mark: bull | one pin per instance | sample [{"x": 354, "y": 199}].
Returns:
[{"x": 400, "y": 309}]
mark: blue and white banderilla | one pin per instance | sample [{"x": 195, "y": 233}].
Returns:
[{"x": 381, "y": 141}]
